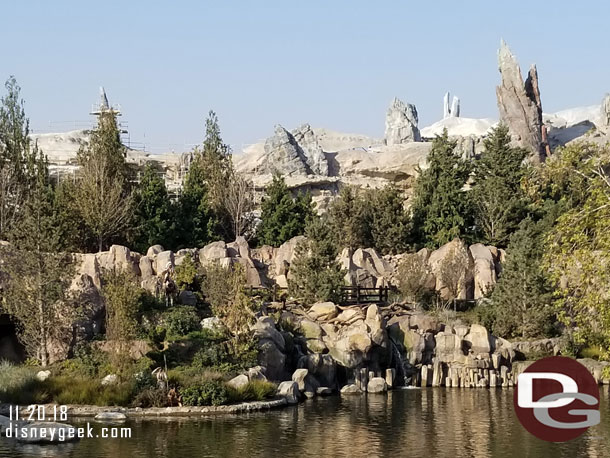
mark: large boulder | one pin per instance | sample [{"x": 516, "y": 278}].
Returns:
[
  {"x": 285, "y": 254},
  {"x": 322, "y": 367},
  {"x": 323, "y": 311},
  {"x": 124, "y": 259},
  {"x": 478, "y": 341},
  {"x": 351, "y": 346},
  {"x": 401, "y": 124},
  {"x": 519, "y": 104},
  {"x": 290, "y": 391},
  {"x": 294, "y": 153},
  {"x": 448, "y": 348},
  {"x": 271, "y": 347},
  {"x": 239, "y": 248},
  {"x": 377, "y": 385},
  {"x": 164, "y": 260},
  {"x": 484, "y": 269},
  {"x": 305, "y": 381},
  {"x": 213, "y": 252}
]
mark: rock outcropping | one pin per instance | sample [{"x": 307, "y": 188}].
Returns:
[
  {"x": 605, "y": 112},
  {"x": 294, "y": 153},
  {"x": 401, "y": 124},
  {"x": 519, "y": 104},
  {"x": 452, "y": 111}
]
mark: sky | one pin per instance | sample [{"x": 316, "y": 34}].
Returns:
[{"x": 334, "y": 64}]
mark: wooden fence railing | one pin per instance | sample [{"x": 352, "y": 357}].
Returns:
[{"x": 350, "y": 295}]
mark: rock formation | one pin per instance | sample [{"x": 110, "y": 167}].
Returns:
[
  {"x": 296, "y": 153},
  {"x": 454, "y": 110},
  {"x": 605, "y": 112},
  {"x": 401, "y": 123},
  {"x": 519, "y": 104}
]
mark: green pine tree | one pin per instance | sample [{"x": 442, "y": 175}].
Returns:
[
  {"x": 498, "y": 199},
  {"x": 196, "y": 222},
  {"x": 389, "y": 224},
  {"x": 521, "y": 300},
  {"x": 102, "y": 195},
  {"x": 282, "y": 216},
  {"x": 440, "y": 203},
  {"x": 350, "y": 219},
  {"x": 153, "y": 212},
  {"x": 14, "y": 152},
  {"x": 37, "y": 273},
  {"x": 315, "y": 273}
]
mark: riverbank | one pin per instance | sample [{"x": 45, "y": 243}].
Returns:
[{"x": 138, "y": 412}]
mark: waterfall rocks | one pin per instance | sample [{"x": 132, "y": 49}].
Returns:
[{"x": 401, "y": 123}]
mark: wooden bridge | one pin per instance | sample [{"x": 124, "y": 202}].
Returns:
[{"x": 350, "y": 295}]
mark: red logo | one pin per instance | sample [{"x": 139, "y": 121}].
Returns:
[{"x": 557, "y": 399}]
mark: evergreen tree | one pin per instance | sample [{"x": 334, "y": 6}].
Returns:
[
  {"x": 282, "y": 216},
  {"x": 196, "y": 221},
  {"x": 102, "y": 197},
  {"x": 37, "y": 273},
  {"x": 14, "y": 152},
  {"x": 440, "y": 204},
  {"x": 350, "y": 219},
  {"x": 521, "y": 300},
  {"x": 316, "y": 275},
  {"x": 153, "y": 213},
  {"x": 389, "y": 224},
  {"x": 498, "y": 199}
]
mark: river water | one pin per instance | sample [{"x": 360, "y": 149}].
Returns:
[{"x": 433, "y": 422}]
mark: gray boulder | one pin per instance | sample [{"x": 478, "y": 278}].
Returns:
[
  {"x": 401, "y": 124},
  {"x": 377, "y": 385},
  {"x": 350, "y": 389},
  {"x": 290, "y": 391}
]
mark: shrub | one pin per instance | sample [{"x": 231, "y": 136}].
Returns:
[
  {"x": 188, "y": 376},
  {"x": 186, "y": 274},
  {"x": 179, "y": 321},
  {"x": 212, "y": 393},
  {"x": 412, "y": 276},
  {"x": 225, "y": 292},
  {"x": 255, "y": 390},
  {"x": 71, "y": 390},
  {"x": 151, "y": 397},
  {"x": 19, "y": 385}
]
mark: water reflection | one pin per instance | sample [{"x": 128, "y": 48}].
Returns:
[{"x": 456, "y": 423}]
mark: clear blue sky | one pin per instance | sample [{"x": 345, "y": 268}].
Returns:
[{"x": 335, "y": 64}]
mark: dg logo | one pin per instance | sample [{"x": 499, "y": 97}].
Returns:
[{"x": 557, "y": 399}]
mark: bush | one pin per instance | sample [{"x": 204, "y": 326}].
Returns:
[
  {"x": 228, "y": 357},
  {"x": 84, "y": 391},
  {"x": 212, "y": 393},
  {"x": 179, "y": 321},
  {"x": 19, "y": 385},
  {"x": 188, "y": 376},
  {"x": 151, "y": 397},
  {"x": 255, "y": 390},
  {"x": 412, "y": 276}
]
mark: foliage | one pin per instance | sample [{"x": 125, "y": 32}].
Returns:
[
  {"x": 254, "y": 390},
  {"x": 86, "y": 391},
  {"x": 186, "y": 276},
  {"x": 238, "y": 203},
  {"x": 153, "y": 212},
  {"x": 224, "y": 289},
  {"x": 229, "y": 356},
  {"x": 452, "y": 272},
  {"x": 37, "y": 273},
  {"x": 122, "y": 296},
  {"x": 102, "y": 196},
  {"x": 440, "y": 203},
  {"x": 18, "y": 384},
  {"x": 196, "y": 222},
  {"x": 179, "y": 321},
  {"x": 578, "y": 247},
  {"x": 413, "y": 274},
  {"x": 282, "y": 216},
  {"x": 15, "y": 152},
  {"x": 521, "y": 299},
  {"x": 151, "y": 397},
  {"x": 211, "y": 393},
  {"x": 349, "y": 218},
  {"x": 498, "y": 199},
  {"x": 316, "y": 273},
  {"x": 390, "y": 224}
]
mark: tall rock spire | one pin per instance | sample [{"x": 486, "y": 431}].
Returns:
[{"x": 519, "y": 104}]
